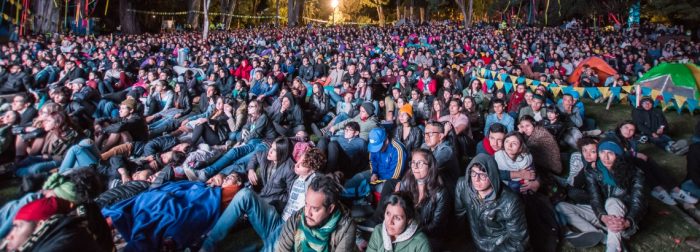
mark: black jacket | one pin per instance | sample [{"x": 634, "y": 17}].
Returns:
[
  {"x": 648, "y": 121},
  {"x": 318, "y": 107},
  {"x": 27, "y": 117},
  {"x": 121, "y": 192},
  {"x": 414, "y": 139},
  {"x": 73, "y": 74},
  {"x": 497, "y": 222},
  {"x": 84, "y": 229},
  {"x": 434, "y": 213},
  {"x": 15, "y": 83},
  {"x": 630, "y": 190},
  {"x": 134, "y": 124}
]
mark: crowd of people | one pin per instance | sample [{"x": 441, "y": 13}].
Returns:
[{"x": 331, "y": 139}]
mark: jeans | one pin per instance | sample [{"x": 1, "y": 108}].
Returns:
[
  {"x": 335, "y": 97},
  {"x": 80, "y": 155},
  {"x": 691, "y": 187},
  {"x": 584, "y": 219},
  {"x": 234, "y": 158},
  {"x": 34, "y": 165},
  {"x": 161, "y": 126},
  {"x": 10, "y": 209},
  {"x": 106, "y": 109},
  {"x": 661, "y": 141},
  {"x": 266, "y": 221}
]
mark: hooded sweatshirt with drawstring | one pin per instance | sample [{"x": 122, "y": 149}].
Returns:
[{"x": 497, "y": 221}]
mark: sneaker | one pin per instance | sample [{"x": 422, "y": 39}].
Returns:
[
  {"x": 367, "y": 225},
  {"x": 663, "y": 196},
  {"x": 585, "y": 239},
  {"x": 595, "y": 132},
  {"x": 684, "y": 196}
]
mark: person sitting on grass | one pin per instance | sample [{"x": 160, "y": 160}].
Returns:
[{"x": 400, "y": 230}]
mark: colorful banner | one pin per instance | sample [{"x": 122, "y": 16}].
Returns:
[{"x": 621, "y": 93}]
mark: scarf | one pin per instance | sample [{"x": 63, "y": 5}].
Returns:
[
  {"x": 315, "y": 239},
  {"x": 405, "y": 236},
  {"x": 487, "y": 146},
  {"x": 607, "y": 177},
  {"x": 505, "y": 163}
]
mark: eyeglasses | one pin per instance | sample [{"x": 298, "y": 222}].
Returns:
[
  {"x": 417, "y": 164},
  {"x": 430, "y": 134},
  {"x": 480, "y": 176}
]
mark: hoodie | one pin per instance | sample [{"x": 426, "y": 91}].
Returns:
[{"x": 497, "y": 222}]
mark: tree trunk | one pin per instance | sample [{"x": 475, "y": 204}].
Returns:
[
  {"x": 471, "y": 13},
  {"x": 232, "y": 5},
  {"x": 382, "y": 18},
  {"x": 49, "y": 19},
  {"x": 295, "y": 12},
  {"x": 277, "y": 15},
  {"x": 192, "y": 16},
  {"x": 127, "y": 19},
  {"x": 205, "y": 33}
]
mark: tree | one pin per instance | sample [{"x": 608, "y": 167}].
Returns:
[
  {"x": 228, "y": 7},
  {"x": 295, "y": 11},
  {"x": 379, "y": 6},
  {"x": 205, "y": 32},
  {"x": 49, "y": 19},
  {"x": 127, "y": 19},
  {"x": 463, "y": 8},
  {"x": 193, "y": 7}
]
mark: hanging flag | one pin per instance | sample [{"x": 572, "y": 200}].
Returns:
[
  {"x": 604, "y": 91},
  {"x": 489, "y": 84},
  {"x": 514, "y": 79},
  {"x": 493, "y": 74},
  {"x": 509, "y": 87},
  {"x": 499, "y": 85},
  {"x": 483, "y": 72},
  {"x": 556, "y": 91},
  {"x": 655, "y": 93},
  {"x": 528, "y": 82},
  {"x": 579, "y": 90},
  {"x": 520, "y": 80},
  {"x": 615, "y": 91},
  {"x": 627, "y": 89},
  {"x": 692, "y": 104},
  {"x": 593, "y": 92},
  {"x": 623, "y": 96},
  {"x": 681, "y": 100}
]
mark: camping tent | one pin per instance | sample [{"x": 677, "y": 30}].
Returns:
[
  {"x": 599, "y": 66},
  {"x": 674, "y": 79}
]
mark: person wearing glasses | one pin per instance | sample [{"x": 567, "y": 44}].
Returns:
[
  {"x": 432, "y": 201},
  {"x": 445, "y": 156},
  {"x": 496, "y": 215}
]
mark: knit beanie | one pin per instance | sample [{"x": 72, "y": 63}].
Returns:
[
  {"x": 406, "y": 108},
  {"x": 61, "y": 187},
  {"x": 369, "y": 108},
  {"x": 610, "y": 146},
  {"x": 42, "y": 209}
]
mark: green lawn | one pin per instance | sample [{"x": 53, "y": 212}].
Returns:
[{"x": 663, "y": 229}]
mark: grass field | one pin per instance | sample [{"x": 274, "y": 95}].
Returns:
[{"x": 663, "y": 229}]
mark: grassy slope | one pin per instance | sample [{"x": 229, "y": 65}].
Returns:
[{"x": 662, "y": 226}]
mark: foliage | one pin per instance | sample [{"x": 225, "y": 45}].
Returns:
[{"x": 685, "y": 12}]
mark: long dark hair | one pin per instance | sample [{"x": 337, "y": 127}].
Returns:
[
  {"x": 284, "y": 149},
  {"x": 433, "y": 183}
]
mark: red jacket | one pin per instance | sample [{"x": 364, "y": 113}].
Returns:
[
  {"x": 432, "y": 86},
  {"x": 243, "y": 71}
]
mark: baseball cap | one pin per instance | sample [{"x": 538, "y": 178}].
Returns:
[{"x": 376, "y": 139}]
